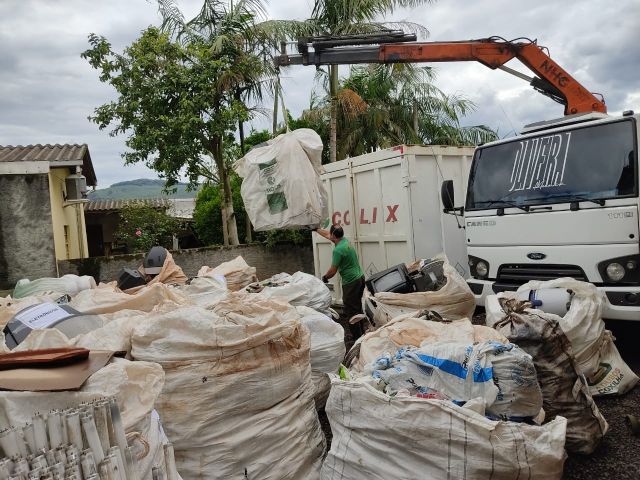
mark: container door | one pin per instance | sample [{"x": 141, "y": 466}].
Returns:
[
  {"x": 455, "y": 168},
  {"x": 370, "y": 201},
  {"x": 435, "y": 232},
  {"x": 339, "y": 192},
  {"x": 383, "y": 218}
]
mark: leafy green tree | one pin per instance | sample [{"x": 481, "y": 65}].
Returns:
[
  {"x": 207, "y": 217},
  {"x": 379, "y": 106},
  {"x": 208, "y": 204},
  {"x": 384, "y": 105},
  {"x": 142, "y": 227},
  {"x": 178, "y": 93},
  {"x": 346, "y": 17}
]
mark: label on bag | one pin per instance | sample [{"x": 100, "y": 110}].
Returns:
[{"x": 42, "y": 316}]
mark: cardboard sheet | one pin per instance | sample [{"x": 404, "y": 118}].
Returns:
[{"x": 67, "y": 377}]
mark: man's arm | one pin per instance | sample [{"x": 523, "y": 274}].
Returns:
[
  {"x": 330, "y": 274},
  {"x": 336, "y": 258},
  {"x": 323, "y": 233}
]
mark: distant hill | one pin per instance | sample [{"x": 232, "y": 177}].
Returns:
[{"x": 141, "y": 188}]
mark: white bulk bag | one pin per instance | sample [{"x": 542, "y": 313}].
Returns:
[
  {"x": 502, "y": 375},
  {"x": 238, "y": 395},
  {"x": 114, "y": 335},
  {"x": 327, "y": 350},
  {"x": 237, "y": 273},
  {"x": 281, "y": 186},
  {"x": 378, "y": 437},
  {"x": 68, "y": 284},
  {"x": 136, "y": 385},
  {"x": 595, "y": 354},
  {"x": 107, "y": 298},
  {"x": 412, "y": 330},
  {"x": 10, "y": 306},
  {"x": 300, "y": 289},
  {"x": 564, "y": 387},
  {"x": 453, "y": 301},
  {"x": 205, "y": 291}
]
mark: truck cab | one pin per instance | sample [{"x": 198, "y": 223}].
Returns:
[{"x": 559, "y": 200}]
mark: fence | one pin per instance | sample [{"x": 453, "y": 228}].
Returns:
[{"x": 267, "y": 260}]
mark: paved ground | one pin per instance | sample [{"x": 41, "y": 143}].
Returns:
[{"x": 618, "y": 457}]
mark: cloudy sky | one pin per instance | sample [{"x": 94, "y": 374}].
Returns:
[{"x": 47, "y": 91}]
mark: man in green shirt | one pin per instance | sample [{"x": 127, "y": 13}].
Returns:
[{"x": 345, "y": 262}]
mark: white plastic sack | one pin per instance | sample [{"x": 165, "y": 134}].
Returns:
[
  {"x": 327, "y": 340},
  {"x": 170, "y": 274},
  {"x": 109, "y": 299},
  {"x": 377, "y": 437},
  {"x": 564, "y": 388},
  {"x": 414, "y": 331},
  {"x": 238, "y": 395},
  {"x": 10, "y": 306},
  {"x": 327, "y": 350},
  {"x": 136, "y": 385},
  {"x": 281, "y": 186},
  {"x": 237, "y": 273},
  {"x": 458, "y": 370},
  {"x": 114, "y": 335},
  {"x": 583, "y": 324},
  {"x": 585, "y": 330},
  {"x": 205, "y": 291},
  {"x": 502, "y": 375},
  {"x": 300, "y": 289},
  {"x": 453, "y": 301},
  {"x": 67, "y": 284},
  {"x": 613, "y": 377}
]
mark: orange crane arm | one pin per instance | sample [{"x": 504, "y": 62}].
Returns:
[{"x": 553, "y": 80}]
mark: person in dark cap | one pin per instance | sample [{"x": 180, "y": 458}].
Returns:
[{"x": 345, "y": 262}]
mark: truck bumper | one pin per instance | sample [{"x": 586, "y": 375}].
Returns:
[{"x": 620, "y": 303}]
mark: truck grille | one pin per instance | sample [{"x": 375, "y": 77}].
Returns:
[{"x": 517, "y": 274}]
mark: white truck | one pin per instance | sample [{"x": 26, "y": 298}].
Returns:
[
  {"x": 388, "y": 203},
  {"x": 560, "y": 200}
]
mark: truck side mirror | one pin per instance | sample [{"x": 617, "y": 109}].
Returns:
[{"x": 447, "y": 195}]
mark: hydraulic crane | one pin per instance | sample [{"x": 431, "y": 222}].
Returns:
[{"x": 397, "y": 47}]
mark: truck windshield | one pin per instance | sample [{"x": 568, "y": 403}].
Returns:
[{"x": 586, "y": 163}]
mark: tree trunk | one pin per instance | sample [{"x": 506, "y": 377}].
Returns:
[
  {"x": 333, "y": 127},
  {"x": 238, "y": 96},
  {"x": 225, "y": 230},
  {"x": 249, "y": 233},
  {"x": 229, "y": 227},
  {"x": 274, "y": 130},
  {"x": 241, "y": 133}
]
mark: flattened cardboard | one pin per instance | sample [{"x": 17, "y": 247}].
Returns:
[
  {"x": 53, "y": 379},
  {"x": 44, "y": 358}
]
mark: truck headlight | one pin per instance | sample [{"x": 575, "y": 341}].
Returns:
[
  {"x": 478, "y": 267},
  {"x": 482, "y": 269},
  {"x": 615, "y": 272}
]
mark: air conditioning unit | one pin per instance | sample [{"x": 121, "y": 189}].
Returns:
[{"x": 76, "y": 186}]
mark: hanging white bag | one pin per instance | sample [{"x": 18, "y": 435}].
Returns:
[{"x": 281, "y": 186}]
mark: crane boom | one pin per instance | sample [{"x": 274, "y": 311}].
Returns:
[{"x": 551, "y": 79}]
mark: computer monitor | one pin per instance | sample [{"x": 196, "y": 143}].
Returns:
[{"x": 395, "y": 279}]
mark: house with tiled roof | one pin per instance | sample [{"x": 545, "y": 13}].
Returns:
[
  {"x": 41, "y": 209},
  {"x": 103, "y": 217}
]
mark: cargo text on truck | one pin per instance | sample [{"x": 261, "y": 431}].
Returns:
[{"x": 561, "y": 200}]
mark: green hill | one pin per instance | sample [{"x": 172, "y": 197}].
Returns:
[{"x": 141, "y": 188}]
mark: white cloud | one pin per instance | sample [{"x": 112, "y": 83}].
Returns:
[{"x": 47, "y": 90}]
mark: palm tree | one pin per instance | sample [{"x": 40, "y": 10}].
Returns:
[
  {"x": 379, "y": 106},
  {"x": 345, "y": 17}
]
